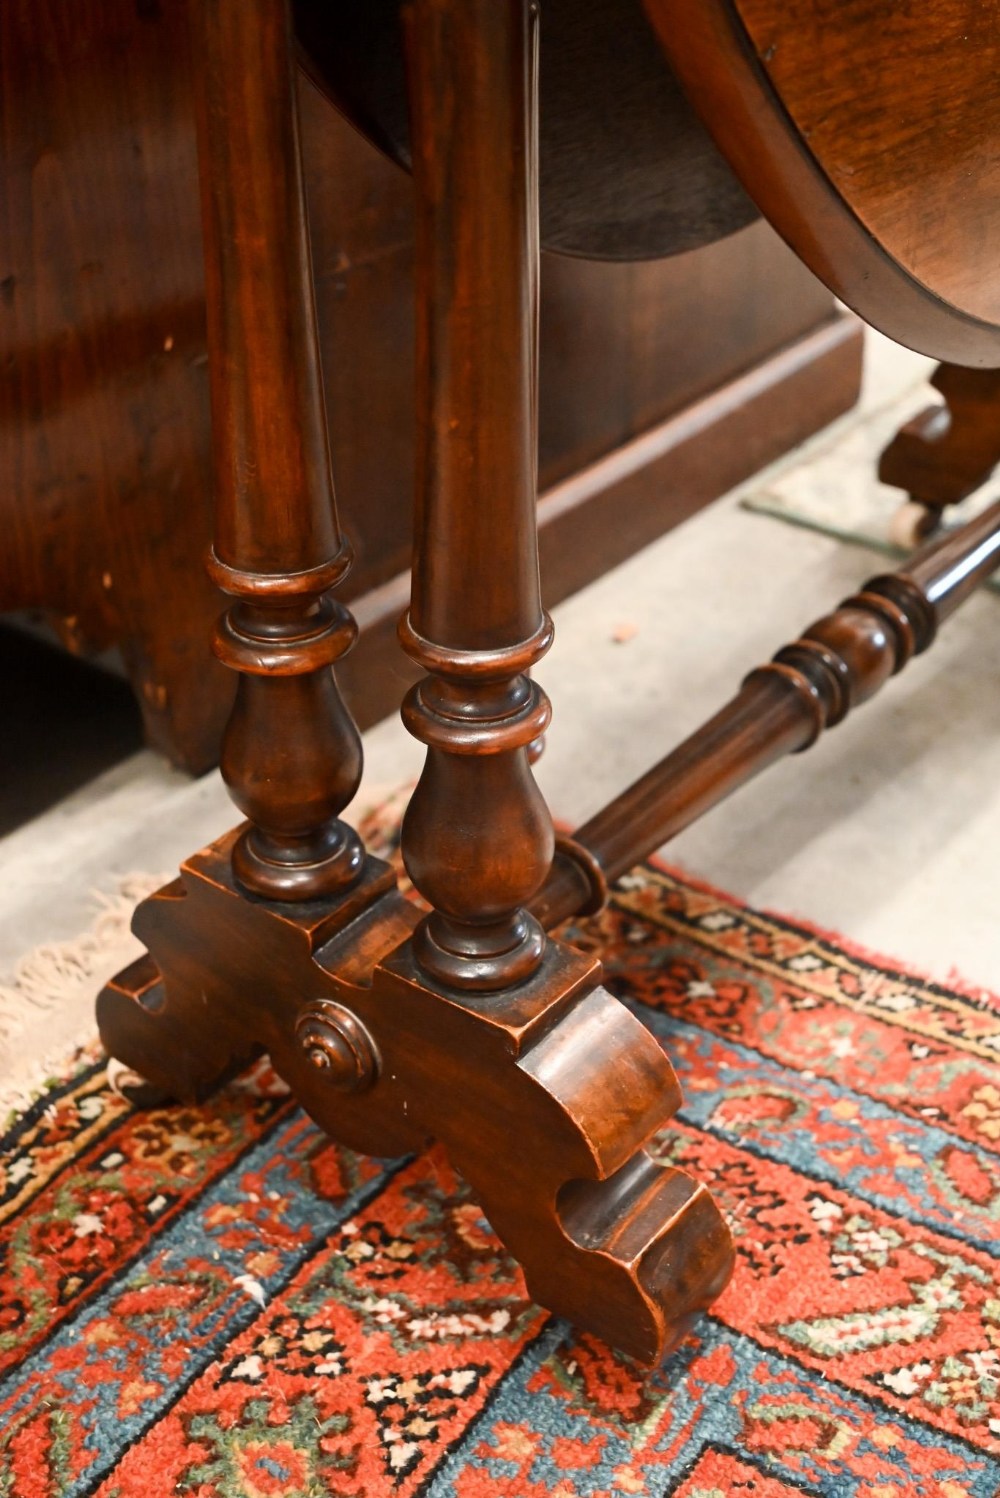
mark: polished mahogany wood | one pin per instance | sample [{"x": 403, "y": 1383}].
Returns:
[
  {"x": 477, "y": 837},
  {"x": 466, "y": 1024},
  {"x": 782, "y": 708},
  {"x": 869, "y": 135},
  {"x": 948, "y": 450},
  {"x": 291, "y": 755}
]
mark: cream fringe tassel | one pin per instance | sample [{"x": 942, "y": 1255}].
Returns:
[{"x": 47, "y": 1007}]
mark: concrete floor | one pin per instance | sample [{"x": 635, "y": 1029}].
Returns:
[{"x": 887, "y": 831}]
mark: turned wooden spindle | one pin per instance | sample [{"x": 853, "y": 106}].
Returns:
[
  {"x": 782, "y": 708},
  {"x": 291, "y": 755},
  {"x": 477, "y": 837}
]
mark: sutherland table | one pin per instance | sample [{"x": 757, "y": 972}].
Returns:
[{"x": 868, "y": 133}]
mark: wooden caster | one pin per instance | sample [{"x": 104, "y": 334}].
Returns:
[
  {"x": 912, "y": 523},
  {"x": 134, "y": 1088}
]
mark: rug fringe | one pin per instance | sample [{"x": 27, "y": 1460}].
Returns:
[
  {"x": 47, "y": 1025},
  {"x": 60, "y": 980}
]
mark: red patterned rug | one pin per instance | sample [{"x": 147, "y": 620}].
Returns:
[{"x": 217, "y": 1301}]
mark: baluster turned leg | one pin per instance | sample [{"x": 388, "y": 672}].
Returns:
[
  {"x": 542, "y": 1087},
  {"x": 477, "y": 837},
  {"x": 291, "y": 755}
]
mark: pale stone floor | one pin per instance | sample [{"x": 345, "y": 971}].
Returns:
[{"x": 887, "y": 831}]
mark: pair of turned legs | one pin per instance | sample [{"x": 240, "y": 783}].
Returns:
[{"x": 469, "y": 1025}]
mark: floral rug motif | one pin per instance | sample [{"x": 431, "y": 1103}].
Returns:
[{"x": 218, "y": 1302}]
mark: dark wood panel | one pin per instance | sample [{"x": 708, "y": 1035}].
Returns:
[
  {"x": 625, "y": 346},
  {"x": 104, "y": 489},
  {"x": 104, "y": 472}
]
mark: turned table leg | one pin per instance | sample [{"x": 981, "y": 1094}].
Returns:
[
  {"x": 469, "y": 1025},
  {"x": 542, "y": 1087},
  {"x": 477, "y": 837},
  {"x": 291, "y": 755}
]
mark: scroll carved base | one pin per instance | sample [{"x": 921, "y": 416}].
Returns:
[
  {"x": 948, "y": 450},
  {"x": 545, "y": 1096}
]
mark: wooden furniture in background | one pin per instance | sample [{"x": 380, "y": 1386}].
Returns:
[{"x": 662, "y": 383}]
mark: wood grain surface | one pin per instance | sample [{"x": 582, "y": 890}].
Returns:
[
  {"x": 105, "y": 472},
  {"x": 899, "y": 106},
  {"x": 868, "y": 132}
]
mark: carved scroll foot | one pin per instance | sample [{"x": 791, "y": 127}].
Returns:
[
  {"x": 196, "y": 1009},
  {"x": 946, "y": 451},
  {"x": 544, "y": 1096}
]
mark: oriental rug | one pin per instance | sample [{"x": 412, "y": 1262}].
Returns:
[{"x": 217, "y": 1302}]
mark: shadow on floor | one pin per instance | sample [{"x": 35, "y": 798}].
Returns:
[{"x": 65, "y": 721}]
